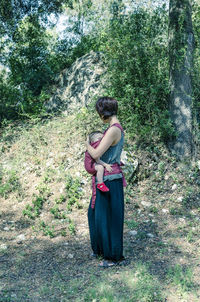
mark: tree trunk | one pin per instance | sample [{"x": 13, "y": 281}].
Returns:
[{"x": 181, "y": 46}]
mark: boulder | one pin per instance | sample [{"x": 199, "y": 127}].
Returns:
[{"x": 78, "y": 85}]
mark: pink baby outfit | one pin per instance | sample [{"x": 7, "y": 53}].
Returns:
[{"x": 89, "y": 162}]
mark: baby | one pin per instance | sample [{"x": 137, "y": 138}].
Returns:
[{"x": 96, "y": 166}]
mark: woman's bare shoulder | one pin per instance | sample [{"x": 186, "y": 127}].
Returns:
[
  {"x": 114, "y": 133},
  {"x": 114, "y": 130}
]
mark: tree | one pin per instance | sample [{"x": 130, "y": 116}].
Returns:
[
  {"x": 12, "y": 12},
  {"x": 28, "y": 60},
  {"x": 181, "y": 46}
]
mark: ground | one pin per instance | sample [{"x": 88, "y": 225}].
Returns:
[{"x": 48, "y": 257}]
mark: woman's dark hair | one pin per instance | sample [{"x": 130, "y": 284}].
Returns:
[{"x": 106, "y": 107}]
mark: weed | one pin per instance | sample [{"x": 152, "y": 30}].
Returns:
[
  {"x": 11, "y": 183},
  {"x": 43, "y": 189},
  {"x": 61, "y": 199},
  {"x": 162, "y": 167},
  {"x": 153, "y": 209},
  {"x": 28, "y": 212},
  {"x": 35, "y": 210},
  {"x": 73, "y": 192},
  {"x": 175, "y": 211},
  {"x": 131, "y": 224},
  {"x": 141, "y": 235},
  {"x": 63, "y": 233},
  {"x": 190, "y": 236},
  {"x": 47, "y": 231},
  {"x": 57, "y": 213},
  {"x": 49, "y": 175},
  {"x": 71, "y": 227}
]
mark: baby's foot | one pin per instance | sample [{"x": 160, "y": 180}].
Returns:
[{"x": 102, "y": 187}]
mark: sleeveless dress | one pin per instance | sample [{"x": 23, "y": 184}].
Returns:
[{"x": 106, "y": 220}]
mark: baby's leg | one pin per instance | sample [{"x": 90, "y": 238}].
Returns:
[{"x": 100, "y": 172}]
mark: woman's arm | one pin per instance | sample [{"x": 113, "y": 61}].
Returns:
[{"x": 111, "y": 137}]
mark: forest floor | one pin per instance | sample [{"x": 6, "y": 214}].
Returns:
[{"x": 45, "y": 252}]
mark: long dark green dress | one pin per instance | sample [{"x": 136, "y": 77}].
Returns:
[{"x": 106, "y": 220}]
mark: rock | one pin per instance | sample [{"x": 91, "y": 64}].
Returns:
[
  {"x": 70, "y": 256},
  {"x": 151, "y": 215},
  {"x": 165, "y": 210},
  {"x": 49, "y": 162},
  {"x": 20, "y": 238},
  {"x": 174, "y": 187},
  {"x": 133, "y": 233},
  {"x": 78, "y": 85},
  {"x": 3, "y": 246},
  {"x": 146, "y": 203},
  {"x": 150, "y": 235},
  {"x": 180, "y": 198},
  {"x": 66, "y": 243},
  {"x": 131, "y": 164},
  {"x": 61, "y": 190},
  {"x": 85, "y": 201},
  {"x": 6, "y": 229}
]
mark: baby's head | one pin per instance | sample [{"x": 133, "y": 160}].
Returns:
[{"x": 95, "y": 136}]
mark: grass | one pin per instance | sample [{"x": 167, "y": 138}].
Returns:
[
  {"x": 129, "y": 285},
  {"x": 181, "y": 278}
]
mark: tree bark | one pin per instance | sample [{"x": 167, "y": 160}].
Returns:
[{"x": 181, "y": 46}]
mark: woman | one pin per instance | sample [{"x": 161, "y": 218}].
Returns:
[{"x": 106, "y": 219}]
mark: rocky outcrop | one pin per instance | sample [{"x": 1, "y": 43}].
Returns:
[{"x": 78, "y": 85}]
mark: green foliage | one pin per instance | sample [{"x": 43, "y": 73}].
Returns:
[
  {"x": 196, "y": 62},
  {"x": 47, "y": 230},
  {"x": 57, "y": 213},
  {"x": 28, "y": 61},
  {"x": 61, "y": 199},
  {"x": 135, "y": 47},
  {"x": 12, "y": 12},
  {"x": 131, "y": 224},
  {"x": 35, "y": 210},
  {"x": 72, "y": 227},
  {"x": 181, "y": 277},
  {"x": 73, "y": 192},
  {"x": 9, "y": 96},
  {"x": 9, "y": 183}
]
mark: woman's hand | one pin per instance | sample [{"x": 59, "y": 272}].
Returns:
[{"x": 108, "y": 167}]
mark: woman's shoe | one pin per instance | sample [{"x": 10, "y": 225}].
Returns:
[
  {"x": 106, "y": 264},
  {"x": 122, "y": 262}
]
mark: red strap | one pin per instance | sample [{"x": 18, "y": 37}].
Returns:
[{"x": 116, "y": 125}]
